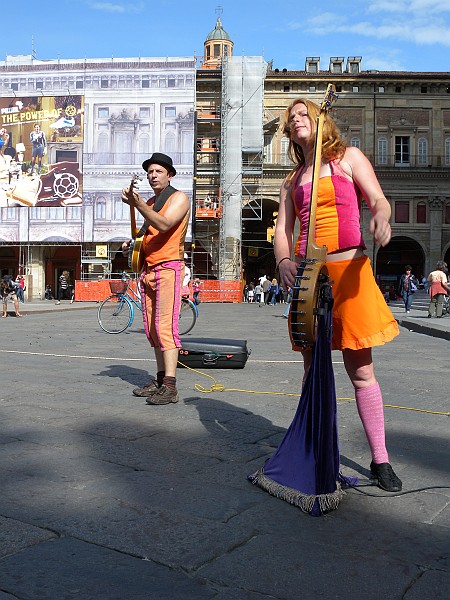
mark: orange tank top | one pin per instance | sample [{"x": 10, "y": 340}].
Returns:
[{"x": 158, "y": 246}]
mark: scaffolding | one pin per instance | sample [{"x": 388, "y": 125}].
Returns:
[{"x": 241, "y": 153}]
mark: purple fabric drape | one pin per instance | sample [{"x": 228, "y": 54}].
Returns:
[{"x": 304, "y": 470}]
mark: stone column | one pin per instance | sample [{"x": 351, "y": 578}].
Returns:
[{"x": 436, "y": 205}]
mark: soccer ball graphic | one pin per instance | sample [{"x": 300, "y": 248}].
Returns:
[{"x": 66, "y": 185}]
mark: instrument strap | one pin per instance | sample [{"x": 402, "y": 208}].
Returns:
[{"x": 163, "y": 197}]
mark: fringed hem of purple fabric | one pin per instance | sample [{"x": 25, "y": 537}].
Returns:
[{"x": 315, "y": 505}]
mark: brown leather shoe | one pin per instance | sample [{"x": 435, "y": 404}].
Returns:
[
  {"x": 164, "y": 395},
  {"x": 147, "y": 390}
]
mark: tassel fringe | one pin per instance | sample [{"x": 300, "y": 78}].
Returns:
[{"x": 305, "y": 502}]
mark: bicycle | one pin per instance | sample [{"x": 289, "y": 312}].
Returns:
[{"x": 116, "y": 312}]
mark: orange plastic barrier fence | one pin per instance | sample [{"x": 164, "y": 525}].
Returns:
[
  {"x": 210, "y": 290},
  {"x": 96, "y": 291},
  {"x": 213, "y": 290}
]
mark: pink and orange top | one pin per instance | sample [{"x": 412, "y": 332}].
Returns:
[{"x": 338, "y": 212}]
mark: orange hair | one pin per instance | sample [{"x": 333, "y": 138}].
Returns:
[{"x": 333, "y": 145}]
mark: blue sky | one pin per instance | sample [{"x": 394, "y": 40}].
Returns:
[{"x": 410, "y": 35}]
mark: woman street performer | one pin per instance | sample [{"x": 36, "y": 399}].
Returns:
[{"x": 361, "y": 318}]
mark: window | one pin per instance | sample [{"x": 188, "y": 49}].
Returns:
[
  {"x": 284, "y": 158},
  {"x": 170, "y": 143},
  {"x": 11, "y": 213},
  {"x": 268, "y": 148},
  {"x": 216, "y": 50},
  {"x": 422, "y": 151},
  {"x": 355, "y": 142},
  {"x": 286, "y": 88},
  {"x": 355, "y": 89},
  {"x": 15, "y": 87},
  {"x": 39, "y": 84},
  {"x": 381, "y": 89},
  {"x": 170, "y": 112},
  {"x": 423, "y": 89},
  {"x": 336, "y": 67},
  {"x": 121, "y": 210},
  {"x": 312, "y": 89},
  {"x": 447, "y": 214},
  {"x": 37, "y": 212},
  {"x": 312, "y": 64},
  {"x": 74, "y": 213},
  {"x": 103, "y": 113},
  {"x": 104, "y": 83},
  {"x": 146, "y": 83},
  {"x": 100, "y": 208},
  {"x": 144, "y": 112},
  {"x": 171, "y": 83},
  {"x": 401, "y": 150},
  {"x": 447, "y": 151},
  {"x": 56, "y": 213},
  {"x": 382, "y": 151},
  {"x": 402, "y": 211},
  {"x": 79, "y": 85},
  {"x": 421, "y": 212},
  {"x": 338, "y": 89}
]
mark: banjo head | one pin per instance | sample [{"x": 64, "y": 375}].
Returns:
[{"x": 310, "y": 297}]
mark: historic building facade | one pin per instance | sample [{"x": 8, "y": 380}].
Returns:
[
  {"x": 221, "y": 120},
  {"x": 401, "y": 121},
  {"x": 100, "y": 118}
]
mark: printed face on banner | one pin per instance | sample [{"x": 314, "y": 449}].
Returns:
[{"x": 41, "y": 149}]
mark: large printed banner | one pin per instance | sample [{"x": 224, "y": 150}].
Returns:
[{"x": 41, "y": 149}]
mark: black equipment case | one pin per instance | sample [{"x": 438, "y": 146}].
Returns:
[{"x": 201, "y": 353}]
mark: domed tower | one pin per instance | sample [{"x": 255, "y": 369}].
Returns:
[{"x": 217, "y": 45}]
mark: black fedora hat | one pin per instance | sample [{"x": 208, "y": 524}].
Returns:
[{"x": 157, "y": 158}]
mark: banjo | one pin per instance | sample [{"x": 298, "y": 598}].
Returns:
[
  {"x": 310, "y": 292},
  {"x": 135, "y": 260}
]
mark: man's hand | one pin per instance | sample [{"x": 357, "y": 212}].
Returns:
[
  {"x": 380, "y": 228},
  {"x": 131, "y": 198},
  {"x": 126, "y": 247}
]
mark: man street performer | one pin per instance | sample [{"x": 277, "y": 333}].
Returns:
[
  {"x": 166, "y": 215},
  {"x": 361, "y": 318}
]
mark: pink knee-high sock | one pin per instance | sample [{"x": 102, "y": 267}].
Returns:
[{"x": 370, "y": 408}]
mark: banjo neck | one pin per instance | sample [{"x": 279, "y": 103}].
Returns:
[
  {"x": 312, "y": 249},
  {"x": 134, "y": 229}
]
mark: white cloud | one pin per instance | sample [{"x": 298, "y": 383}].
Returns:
[
  {"x": 116, "y": 7},
  {"x": 408, "y": 7},
  {"x": 421, "y": 31}
]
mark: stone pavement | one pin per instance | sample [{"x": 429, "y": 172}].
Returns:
[{"x": 103, "y": 497}]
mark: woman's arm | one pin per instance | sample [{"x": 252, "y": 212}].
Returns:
[
  {"x": 364, "y": 176},
  {"x": 284, "y": 233}
]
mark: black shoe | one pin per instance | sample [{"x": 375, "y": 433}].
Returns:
[{"x": 385, "y": 476}]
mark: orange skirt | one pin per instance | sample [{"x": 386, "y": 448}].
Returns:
[{"x": 361, "y": 317}]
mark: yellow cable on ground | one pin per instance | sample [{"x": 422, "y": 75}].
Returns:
[{"x": 217, "y": 387}]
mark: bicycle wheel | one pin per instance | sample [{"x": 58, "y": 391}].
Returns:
[
  {"x": 188, "y": 316},
  {"x": 115, "y": 314}
]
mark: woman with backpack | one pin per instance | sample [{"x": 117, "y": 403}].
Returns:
[{"x": 8, "y": 292}]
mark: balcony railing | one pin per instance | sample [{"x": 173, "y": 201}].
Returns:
[
  {"x": 132, "y": 158},
  {"x": 389, "y": 162}
]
